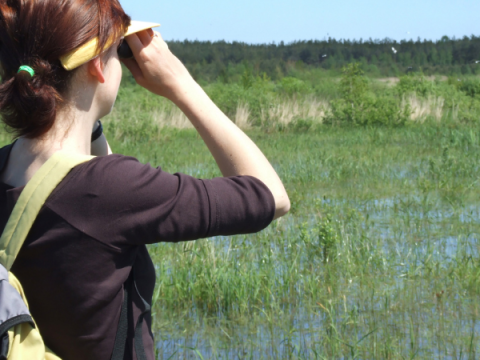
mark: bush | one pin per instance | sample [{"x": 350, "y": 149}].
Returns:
[
  {"x": 416, "y": 83},
  {"x": 470, "y": 86},
  {"x": 258, "y": 94},
  {"x": 292, "y": 86},
  {"x": 359, "y": 106}
]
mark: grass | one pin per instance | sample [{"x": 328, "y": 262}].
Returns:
[
  {"x": 256, "y": 102},
  {"x": 379, "y": 257}
]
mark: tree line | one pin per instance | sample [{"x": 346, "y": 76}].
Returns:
[{"x": 447, "y": 56}]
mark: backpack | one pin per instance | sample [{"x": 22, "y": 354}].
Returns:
[{"x": 19, "y": 337}]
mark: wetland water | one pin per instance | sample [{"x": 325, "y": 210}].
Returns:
[
  {"x": 412, "y": 305},
  {"x": 379, "y": 257}
]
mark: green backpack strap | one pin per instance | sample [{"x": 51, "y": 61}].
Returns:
[{"x": 31, "y": 201}]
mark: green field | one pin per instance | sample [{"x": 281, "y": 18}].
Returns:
[{"x": 378, "y": 258}]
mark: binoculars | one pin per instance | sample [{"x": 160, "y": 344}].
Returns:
[{"x": 124, "y": 51}]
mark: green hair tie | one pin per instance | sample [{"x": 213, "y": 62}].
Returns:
[{"x": 27, "y": 69}]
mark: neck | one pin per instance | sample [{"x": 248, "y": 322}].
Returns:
[
  {"x": 71, "y": 133},
  {"x": 72, "y": 129}
]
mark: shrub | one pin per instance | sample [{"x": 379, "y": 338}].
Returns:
[
  {"x": 292, "y": 86},
  {"x": 416, "y": 83},
  {"x": 470, "y": 86},
  {"x": 258, "y": 95},
  {"x": 359, "y": 106}
]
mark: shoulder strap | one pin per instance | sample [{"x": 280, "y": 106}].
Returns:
[{"x": 31, "y": 201}]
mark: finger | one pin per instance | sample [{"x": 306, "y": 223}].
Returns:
[
  {"x": 158, "y": 37},
  {"x": 145, "y": 36},
  {"x": 132, "y": 65},
  {"x": 135, "y": 44}
]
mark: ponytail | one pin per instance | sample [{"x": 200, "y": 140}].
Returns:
[
  {"x": 28, "y": 105},
  {"x": 36, "y": 33}
]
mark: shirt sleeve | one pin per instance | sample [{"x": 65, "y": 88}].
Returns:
[{"x": 119, "y": 201}]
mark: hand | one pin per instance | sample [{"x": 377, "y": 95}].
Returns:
[
  {"x": 155, "y": 67},
  {"x": 159, "y": 71}
]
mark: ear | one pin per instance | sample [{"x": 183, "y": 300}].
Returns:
[{"x": 95, "y": 68}]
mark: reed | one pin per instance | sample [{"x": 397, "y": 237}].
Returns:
[
  {"x": 431, "y": 107},
  {"x": 242, "y": 116},
  {"x": 285, "y": 111},
  {"x": 378, "y": 258}
]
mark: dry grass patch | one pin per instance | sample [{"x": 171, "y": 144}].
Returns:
[
  {"x": 289, "y": 110},
  {"x": 242, "y": 116},
  {"x": 423, "y": 108},
  {"x": 172, "y": 117}
]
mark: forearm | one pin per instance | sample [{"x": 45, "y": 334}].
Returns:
[
  {"x": 158, "y": 70},
  {"x": 234, "y": 152}
]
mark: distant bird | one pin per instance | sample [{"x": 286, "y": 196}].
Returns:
[
  {"x": 477, "y": 61},
  {"x": 324, "y": 55},
  {"x": 394, "y": 50}
]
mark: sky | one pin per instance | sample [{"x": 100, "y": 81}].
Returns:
[{"x": 268, "y": 21}]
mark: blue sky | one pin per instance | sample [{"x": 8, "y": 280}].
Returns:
[{"x": 266, "y": 21}]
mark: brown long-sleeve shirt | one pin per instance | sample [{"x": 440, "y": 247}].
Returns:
[{"x": 93, "y": 229}]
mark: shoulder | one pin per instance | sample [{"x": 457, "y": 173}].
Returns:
[
  {"x": 110, "y": 176},
  {"x": 112, "y": 170},
  {"x": 111, "y": 164}
]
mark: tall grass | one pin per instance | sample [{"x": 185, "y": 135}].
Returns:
[
  {"x": 431, "y": 107},
  {"x": 378, "y": 258},
  {"x": 283, "y": 112},
  {"x": 280, "y": 113},
  {"x": 258, "y": 102},
  {"x": 287, "y": 111}
]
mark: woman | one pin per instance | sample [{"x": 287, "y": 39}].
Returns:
[{"x": 93, "y": 229}]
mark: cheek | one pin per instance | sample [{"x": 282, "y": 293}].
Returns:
[
  {"x": 115, "y": 76},
  {"x": 112, "y": 84},
  {"x": 115, "y": 71},
  {"x": 119, "y": 73},
  {"x": 116, "y": 82}
]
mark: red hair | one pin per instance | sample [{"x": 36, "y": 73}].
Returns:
[{"x": 37, "y": 33}]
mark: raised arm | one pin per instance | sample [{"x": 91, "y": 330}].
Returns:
[{"x": 158, "y": 70}]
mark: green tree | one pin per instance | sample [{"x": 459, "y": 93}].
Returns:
[
  {"x": 359, "y": 106},
  {"x": 353, "y": 87}
]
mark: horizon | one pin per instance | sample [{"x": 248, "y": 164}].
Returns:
[
  {"x": 269, "y": 21},
  {"x": 453, "y": 38}
]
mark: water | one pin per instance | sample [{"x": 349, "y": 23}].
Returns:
[{"x": 406, "y": 228}]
